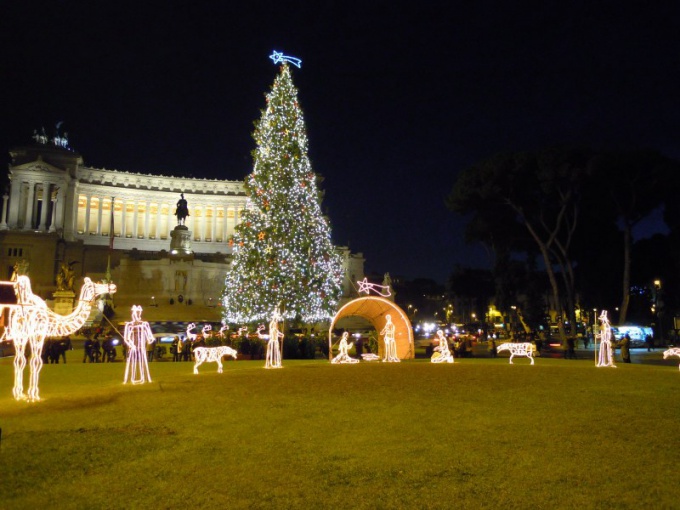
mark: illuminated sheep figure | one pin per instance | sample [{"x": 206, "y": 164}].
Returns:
[
  {"x": 273, "y": 357},
  {"x": 215, "y": 354},
  {"x": 137, "y": 336},
  {"x": 343, "y": 354},
  {"x": 525, "y": 349},
  {"x": 605, "y": 357},
  {"x": 443, "y": 354},
  {"x": 30, "y": 321},
  {"x": 673, "y": 351}
]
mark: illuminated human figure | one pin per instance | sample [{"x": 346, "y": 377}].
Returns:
[
  {"x": 444, "y": 353},
  {"x": 273, "y": 357},
  {"x": 604, "y": 355},
  {"x": 343, "y": 354},
  {"x": 137, "y": 336},
  {"x": 390, "y": 342}
]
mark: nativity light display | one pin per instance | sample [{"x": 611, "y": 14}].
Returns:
[
  {"x": 673, "y": 351},
  {"x": 442, "y": 352},
  {"x": 390, "y": 342},
  {"x": 343, "y": 351},
  {"x": 525, "y": 349},
  {"x": 605, "y": 357},
  {"x": 282, "y": 250},
  {"x": 30, "y": 321},
  {"x": 137, "y": 336},
  {"x": 212, "y": 354},
  {"x": 273, "y": 356}
]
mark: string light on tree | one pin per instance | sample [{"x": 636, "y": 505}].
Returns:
[{"x": 282, "y": 250}]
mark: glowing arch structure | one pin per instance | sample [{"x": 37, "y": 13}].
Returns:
[{"x": 374, "y": 309}]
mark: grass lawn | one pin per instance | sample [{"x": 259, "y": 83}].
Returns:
[{"x": 477, "y": 434}]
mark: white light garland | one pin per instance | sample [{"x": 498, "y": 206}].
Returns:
[
  {"x": 673, "y": 351},
  {"x": 390, "y": 342},
  {"x": 136, "y": 336},
  {"x": 605, "y": 357},
  {"x": 525, "y": 349},
  {"x": 443, "y": 354},
  {"x": 208, "y": 354},
  {"x": 30, "y": 321},
  {"x": 343, "y": 354}
]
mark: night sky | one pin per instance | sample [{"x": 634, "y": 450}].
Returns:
[{"x": 397, "y": 100}]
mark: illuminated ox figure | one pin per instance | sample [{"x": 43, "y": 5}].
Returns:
[
  {"x": 525, "y": 349},
  {"x": 673, "y": 351},
  {"x": 203, "y": 354}
]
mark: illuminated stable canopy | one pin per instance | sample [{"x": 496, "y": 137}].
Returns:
[{"x": 375, "y": 310}]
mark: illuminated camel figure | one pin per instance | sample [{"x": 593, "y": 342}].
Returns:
[
  {"x": 30, "y": 321},
  {"x": 203, "y": 354},
  {"x": 525, "y": 349},
  {"x": 673, "y": 351}
]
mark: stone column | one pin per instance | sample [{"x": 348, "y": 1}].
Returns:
[
  {"x": 14, "y": 201},
  {"x": 46, "y": 195},
  {"x": 28, "y": 223},
  {"x": 3, "y": 213},
  {"x": 123, "y": 227},
  {"x": 147, "y": 212},
  {"x": 99, "y": 216},
  {"x": 86, "y": 227}
]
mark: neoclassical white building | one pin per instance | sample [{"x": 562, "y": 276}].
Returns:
[{"x": 58, "y": 210}]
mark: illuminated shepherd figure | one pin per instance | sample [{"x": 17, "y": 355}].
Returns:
[
  {"x": 390, "y": 341},
  {"x": 273, "y": 357},
  {"x": 343, "y": 354},
  {"x": 673, "y": 351},
  {"x": 137, "y": 335},
  {"x": 30, "y": 321},
  {"x": 604, "y": 355},
  {"x": 444, "y": 353}
]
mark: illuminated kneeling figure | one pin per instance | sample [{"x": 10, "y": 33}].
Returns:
[
  {"x": 343, "y": 354},
  {"x": 443, "y": 353}
]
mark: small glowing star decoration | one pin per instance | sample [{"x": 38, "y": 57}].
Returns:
[
  {"x": 673, "y": 351},
  {"x": 390, "y": 342},
  {"x": 273, "y": 356},
  {"x": 203, "y": 354},
  {"x": 343, "y": 354},
  {"x": 443, "y": 353},
  {"x": 382, "y": 290},
  {"x": 604, "y": 355},
  {"x": 136, "y": 336},
  {"x": 277, "y": 57},
  {"x": 30, "y": 321},
  {"x": 525, "y": 349}
]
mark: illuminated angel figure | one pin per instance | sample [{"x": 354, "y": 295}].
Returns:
[
  {"x": 343, "y": 354},
  {"x": 137, "y": 335},
  {"x": 443, "y": 354},
  {"x": 390, "y": 342},
  {"x": 604, "y": 356},
  {"x": 273, "y": 357}
]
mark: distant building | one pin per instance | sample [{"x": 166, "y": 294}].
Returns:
[{"x": 58, "y": 210}]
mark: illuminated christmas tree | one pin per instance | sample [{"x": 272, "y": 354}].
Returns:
[{"x": 283, "y": 255}]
